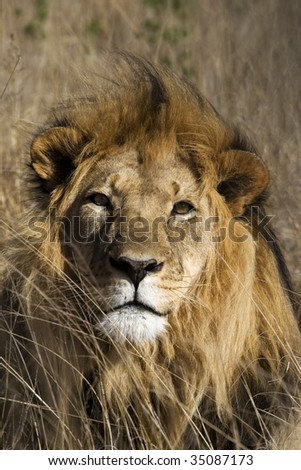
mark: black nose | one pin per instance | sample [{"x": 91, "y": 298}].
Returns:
[{"x": 136, "y": 270}]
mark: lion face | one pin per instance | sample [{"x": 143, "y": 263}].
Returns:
[
  {"x": 138, "y": 238},
  {"x": 137, "y": 175}
]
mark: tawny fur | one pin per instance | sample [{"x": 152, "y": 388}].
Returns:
[{"x": 226, "y": 372}]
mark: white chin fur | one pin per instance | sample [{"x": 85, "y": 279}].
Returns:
[{"x": 133, "y": 324}]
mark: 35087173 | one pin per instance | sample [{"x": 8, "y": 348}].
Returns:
[{"x": 222, "y": 459}]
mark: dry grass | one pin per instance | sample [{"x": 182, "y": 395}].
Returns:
[{"x": 243, "y": 55}]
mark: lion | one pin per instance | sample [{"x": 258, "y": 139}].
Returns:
[{"x": 146, "y": 302}]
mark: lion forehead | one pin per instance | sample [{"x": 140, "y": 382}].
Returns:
[{"x": 124, "y": 172}]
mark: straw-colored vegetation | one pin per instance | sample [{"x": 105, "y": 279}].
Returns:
[{"x": 245, "y": 57}]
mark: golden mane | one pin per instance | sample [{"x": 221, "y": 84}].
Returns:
[{"x": 226, "y": 374}]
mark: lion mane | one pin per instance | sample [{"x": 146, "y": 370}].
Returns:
[{"x": 146, "y": 303}]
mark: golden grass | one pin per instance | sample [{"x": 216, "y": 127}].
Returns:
[{"x": 243, "y": 55}]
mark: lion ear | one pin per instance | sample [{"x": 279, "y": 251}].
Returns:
[
  {"x": 53, "y": 155},
  {"x": 242, "y": 178}
]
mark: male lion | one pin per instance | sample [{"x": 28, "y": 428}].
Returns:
[{"x": 146, "y": 302}]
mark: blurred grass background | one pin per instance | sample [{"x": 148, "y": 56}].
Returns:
[{"x": 244, "y": 55}]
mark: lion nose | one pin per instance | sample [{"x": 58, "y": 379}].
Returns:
[{"x": 136, "y": 270}]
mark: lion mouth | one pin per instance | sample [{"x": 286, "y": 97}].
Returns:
[
  {"x": 134, "y": 322},
  {"x": 133, "y": 307}
]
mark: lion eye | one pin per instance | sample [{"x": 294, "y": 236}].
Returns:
[
  {"x": 100, "y": 200},
  {"x": 184, "y": 209}
]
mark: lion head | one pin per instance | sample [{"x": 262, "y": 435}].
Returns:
[{"x": 152, "y": 295}]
